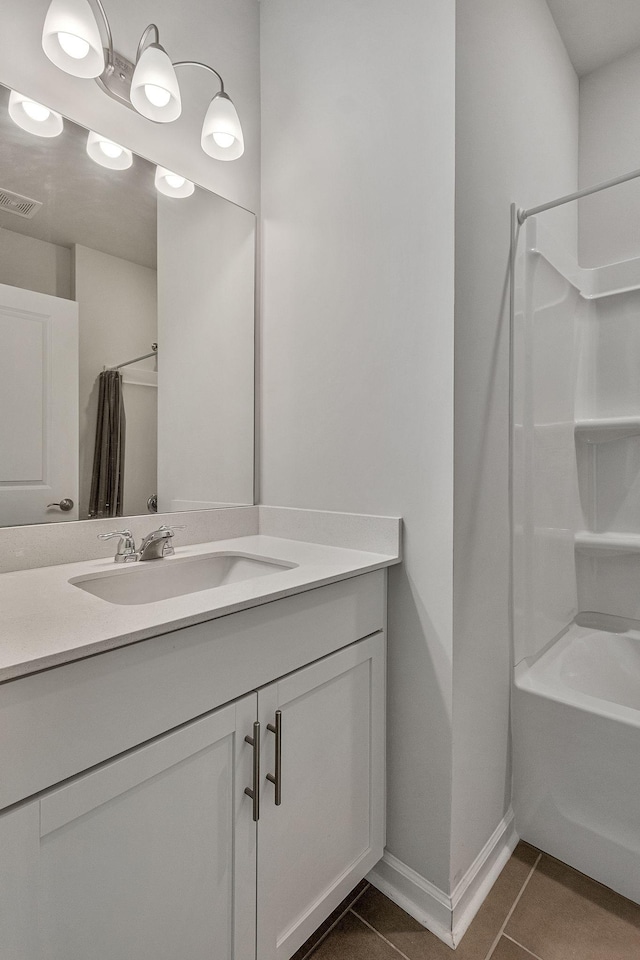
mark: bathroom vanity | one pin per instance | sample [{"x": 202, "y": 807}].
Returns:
[
  {"x": 203, "y": 776},
  {"x": 192, "y": 747}
]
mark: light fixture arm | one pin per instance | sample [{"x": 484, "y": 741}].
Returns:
[
  {"x": 144, "y": 39},
  {"x": 105, "y": 22},
  {"x": 205, "y": 66}
]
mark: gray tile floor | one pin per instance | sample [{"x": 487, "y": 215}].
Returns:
[{"x": 537, "y": 908}]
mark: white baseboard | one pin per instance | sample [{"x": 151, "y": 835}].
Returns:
[
  {"x": 447, "y": 916},
  {"x": 416, "y": 895},
  {"x": 469, "y": 894}
]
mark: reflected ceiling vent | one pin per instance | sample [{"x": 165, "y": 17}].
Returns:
[{"x": 12, "y": 202}]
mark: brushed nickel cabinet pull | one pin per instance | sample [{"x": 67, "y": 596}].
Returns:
[
  {"x": 254, "y": 792},
  {"x": 277, "y": 778}
]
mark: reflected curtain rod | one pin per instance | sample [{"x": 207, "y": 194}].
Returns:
[
  {"x": 524, "y": 214},
  {"x": 127, "y": 363}
]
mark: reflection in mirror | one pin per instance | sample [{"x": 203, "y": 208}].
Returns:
[{"x": 103, "y": 257}]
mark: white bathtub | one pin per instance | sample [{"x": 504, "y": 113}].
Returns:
[{"x": 576, "y": 739}]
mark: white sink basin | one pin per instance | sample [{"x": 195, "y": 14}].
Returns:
[{"x": 151, "y": 580}]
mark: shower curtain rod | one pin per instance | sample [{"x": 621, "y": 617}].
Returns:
[
  {"x": 524, "y": 214},
  {"x": 127, "y": 363}
]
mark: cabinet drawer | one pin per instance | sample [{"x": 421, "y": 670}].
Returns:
[{"x": 62, "y": 721}]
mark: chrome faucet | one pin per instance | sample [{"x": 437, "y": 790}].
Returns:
[{"x": 155, "y": 545}]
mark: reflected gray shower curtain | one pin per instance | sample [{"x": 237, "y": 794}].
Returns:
[{"x": 107, "y": 480}]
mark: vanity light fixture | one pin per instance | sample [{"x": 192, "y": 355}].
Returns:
[
  {"x": 107, "y": 153},
  {"x": 154, "y": 86},
  {"x": 71, "y": 39},
  {"x": 221, "y": 131},
  {"x": 172, "y": 184},
  {"x": 34, "y": 117}
]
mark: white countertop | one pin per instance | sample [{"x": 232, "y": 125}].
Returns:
[{"x": 46, "y": 621}]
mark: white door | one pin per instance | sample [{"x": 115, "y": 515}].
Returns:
[
  {"x": 38, "y": 406},
  {"x": 151, "y": 856},
  {"x": 328, "y": 830}
]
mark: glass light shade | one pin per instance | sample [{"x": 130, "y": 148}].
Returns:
[
  {"x": 37, "y": 111},
  {"x": 154, "y": 87},
  {"x": 172, "y": 184},
  {"x": 158, "y": 96},
  {"x": 222, "y": 136},
  {"x": 75, "y": 47},
  {"x": 34, "y": 117},
  {"x": 107, "y": 153},
  {"x": 71, "y": 38}
]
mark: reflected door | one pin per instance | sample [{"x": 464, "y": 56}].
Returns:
[{"x": 39, "y": 403}]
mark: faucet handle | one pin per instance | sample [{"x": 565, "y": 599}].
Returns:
[
  {"x": 126, "y": 548},
  {"x": 174, "y": 526},
  {"x": 168, "y": 532},
  {"x": 115, "y": 533}
]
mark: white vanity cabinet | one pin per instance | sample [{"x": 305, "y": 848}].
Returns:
[
  {"x": 154, "y": 852},
  {"x": 149, "y": 856},
  {"x": 328, "y": 830}
]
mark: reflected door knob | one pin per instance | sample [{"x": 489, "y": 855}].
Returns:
[{"x": 65, "y": 505}]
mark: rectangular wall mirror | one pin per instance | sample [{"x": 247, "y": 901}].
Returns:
[{"x": 127, "y": 331}]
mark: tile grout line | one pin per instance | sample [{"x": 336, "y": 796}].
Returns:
[
  {"x": 335, "y": 923},
  {"x": 530, "y": 952},
  {"x": 382, "y": 937},
  {"x": 513, "y": 907}
]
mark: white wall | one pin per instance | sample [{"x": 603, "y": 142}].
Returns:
[
  {"x": 609, "y": 138},
  {"x": 35, "y": 264},
  {"x": 223, "y": 33},
  {"x": 609, "y": 232},
  {"x": 117, "y": 306},
  {"x": 517, "y": 140},
  {"x": 206, "y": 275},
  {"x": 357, "y": 364}
]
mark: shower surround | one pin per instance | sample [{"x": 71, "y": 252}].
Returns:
[{"x": 576, "y": 536}]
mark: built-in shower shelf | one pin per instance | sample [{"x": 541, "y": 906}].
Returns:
[
  {"x": 614, "y": 543},
  {"x": 607, "y": 428}
]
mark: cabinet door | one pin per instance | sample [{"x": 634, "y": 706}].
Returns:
[
  {"x": 148, "y": 857},
  {"x": 328, "y": 831}
]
